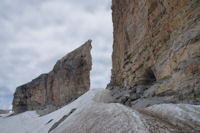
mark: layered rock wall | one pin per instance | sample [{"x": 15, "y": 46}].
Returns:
[
  {"x": 69, "y": 79},
  {"x": 156, "y": 51}
]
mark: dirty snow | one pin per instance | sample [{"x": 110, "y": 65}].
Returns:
[{"x": 97, "y": 113}]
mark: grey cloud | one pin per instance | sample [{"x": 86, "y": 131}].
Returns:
[{"x": 36, "y": 33}]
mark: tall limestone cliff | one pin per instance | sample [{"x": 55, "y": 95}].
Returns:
[
  {"x": 156, "y": 52},
  {"x": 69, "y": 79}
]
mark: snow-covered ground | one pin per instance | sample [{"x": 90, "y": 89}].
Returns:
[{"x": 95, "y": 112}]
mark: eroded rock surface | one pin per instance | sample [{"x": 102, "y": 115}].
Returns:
[
  {"x": 69, "y": 79},
  {"x": 156, "y": 51}
]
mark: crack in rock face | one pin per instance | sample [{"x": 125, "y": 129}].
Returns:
[{"x": 61, "y": 120}]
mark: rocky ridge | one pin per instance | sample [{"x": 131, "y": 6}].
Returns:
[
  {"x": 4, "y": 111},
  {"x": 69, "y": 79},
  {"x": 156, "y": 52}
]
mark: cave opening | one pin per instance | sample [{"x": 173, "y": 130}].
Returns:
[{"x": 149, "y": 77}]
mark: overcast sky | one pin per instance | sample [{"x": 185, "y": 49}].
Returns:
[{"x": 34, "y": 34}]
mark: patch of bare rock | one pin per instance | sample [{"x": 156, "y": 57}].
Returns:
[
  {"x": 4, "y": 111},
  {"x": 156, "y": 52},
  {"x": 69, "y": 79}
]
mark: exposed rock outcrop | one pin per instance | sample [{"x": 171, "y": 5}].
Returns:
[
  {"x": 69, "y": 79},
  {"x": 156, "y": 52},
  {"x": 4, "y": 111}
]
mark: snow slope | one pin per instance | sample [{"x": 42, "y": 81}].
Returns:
[{"x": 95, "y": 112}]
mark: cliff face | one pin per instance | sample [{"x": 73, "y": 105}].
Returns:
[
  {"x": 156, "y": 51},
  {"x": 69, "y": 79}
]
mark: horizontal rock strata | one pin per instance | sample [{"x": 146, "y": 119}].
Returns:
[
  {"x": 156, "y": 52},
  {"x": 69, "y": 79}
]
